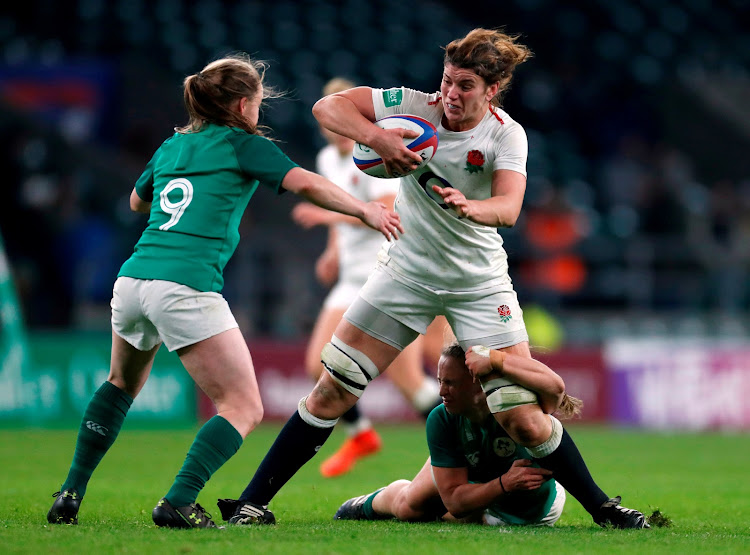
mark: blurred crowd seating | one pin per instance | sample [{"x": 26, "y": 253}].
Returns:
[{"x": 637, "y": 215}]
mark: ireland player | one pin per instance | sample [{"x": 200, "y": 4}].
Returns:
[
  {"x": 195, "y": 189},
  {"x": 476, "y": 472}
]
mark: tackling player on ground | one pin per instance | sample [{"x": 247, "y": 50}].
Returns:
[{"x": 476, "y": 472}]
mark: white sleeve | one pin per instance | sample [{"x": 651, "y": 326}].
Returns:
[
  {"x": 512, "y": 150},
  {"x": 400, "y": 100}
]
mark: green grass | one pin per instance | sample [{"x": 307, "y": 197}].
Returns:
[{"x": 699, "y": 480}]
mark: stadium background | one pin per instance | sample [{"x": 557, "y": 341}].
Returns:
[{"x": 630, "y": 258}]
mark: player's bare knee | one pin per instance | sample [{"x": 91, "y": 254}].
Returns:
[
  {"x": 329, "y": 400},
  {"x": 254, "y": 415},
  {"x": 527, "y": 428},
  {"x": 403, "y": 506}
]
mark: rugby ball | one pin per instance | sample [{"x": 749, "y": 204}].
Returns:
[{"x": 369, "y": 161}]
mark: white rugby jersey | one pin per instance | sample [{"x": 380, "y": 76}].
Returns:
[
  {"x": 437, "y": 248},
  {"x": 358, "y": 245}
]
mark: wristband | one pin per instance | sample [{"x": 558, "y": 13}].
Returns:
[{"x": 500, "y": 479}]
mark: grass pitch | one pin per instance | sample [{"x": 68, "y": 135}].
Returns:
[{"x": 699, "y": 481}]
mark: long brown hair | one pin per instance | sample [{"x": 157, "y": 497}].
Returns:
[
  {"x": 210, "y": 93},
  {"x": 491, "y": 54}
]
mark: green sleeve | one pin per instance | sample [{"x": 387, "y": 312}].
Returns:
[
  {"x": 443, "y": 440},
  {"x": 261, "y": 159}
]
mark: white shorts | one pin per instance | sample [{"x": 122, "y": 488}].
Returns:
[
  {"x": 490, "y": 316},
  {"x": 146, "y": 312},
  {"x": 343, "y": 294},
  {"x": 555, "y": 511}
]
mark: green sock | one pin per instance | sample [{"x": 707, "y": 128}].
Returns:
[
  {"x": 369, "y": 511},
  {"x": 100, "y": 425},
  {"x": 215, "y": 443}
]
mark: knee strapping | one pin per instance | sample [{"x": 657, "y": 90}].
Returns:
[
  {"x": 551, "y": 444},
  {"x": 352, "y": 369},
  {"x": 503, "y": 395}
]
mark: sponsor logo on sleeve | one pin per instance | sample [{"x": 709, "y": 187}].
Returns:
[{"x": 392, "y": 97}]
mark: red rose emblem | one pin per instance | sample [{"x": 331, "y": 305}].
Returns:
[
  {"x": 475, "y": 158},
  {"x": 474, "y": 161}
]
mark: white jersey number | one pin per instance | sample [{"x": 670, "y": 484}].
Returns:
[{"x": 175, "y": 209}]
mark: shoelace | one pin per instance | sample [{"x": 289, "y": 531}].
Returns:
[
  {"x": 204, "y": 511},
  {"x": 59, "y": 493}
]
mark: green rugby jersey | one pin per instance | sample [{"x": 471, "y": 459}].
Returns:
[
  {"x": 199, "y": 185},
  {"x": 487, "y": 451}
]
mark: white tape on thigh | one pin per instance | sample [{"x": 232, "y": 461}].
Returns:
[
  {"x": 502, "y": 397},
  {"x": 352, "y": 369},
  {"x": 551, "y": 444},
  {"x": 311, "y": 419}
]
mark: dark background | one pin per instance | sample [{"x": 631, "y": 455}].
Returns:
[{"x": 637, "y": 213}]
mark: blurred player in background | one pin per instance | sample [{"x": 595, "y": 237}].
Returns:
[
  {"x": 349, "y": 257},
  {"x": 450, "y": 261},
  {"x": 195, "y": 189},
  {"x": 476, "y": 472}
]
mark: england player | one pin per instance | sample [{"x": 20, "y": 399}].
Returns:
[
  {"x": 349, "y": 257},
  {"x": 195, "y": 189},
  {"x": 451, "y": 261},
  {"x": 475, "y": 472}
]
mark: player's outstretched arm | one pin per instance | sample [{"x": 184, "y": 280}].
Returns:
[{"x": 326, "y": 194}]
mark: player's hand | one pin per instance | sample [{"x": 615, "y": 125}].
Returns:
[
  {"x": 307, "y": 215},
  {"x": 521, "y": 476},
  {"x": 398, "y": 159},
  {"x": 455, "y": 199},
  {"x": 379, "y": 217},
  {"x": 327, "y": 267},
  {"x": 478, "y": 361}
]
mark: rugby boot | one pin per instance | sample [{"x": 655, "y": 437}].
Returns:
[
  {"x": 65, "y": 508},
  {"x": 245, "y": 513},
  {"x": 354, "y": 448},
  {"x": 354, "y": 509},
  {"x": 611, "y": 513},
  {"x": 189, "y": 516}
]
